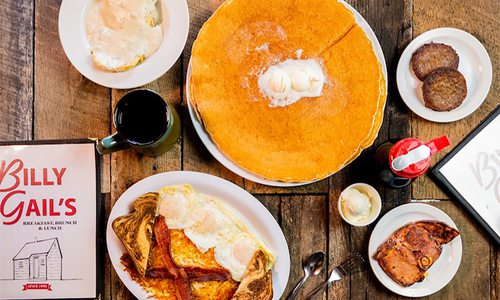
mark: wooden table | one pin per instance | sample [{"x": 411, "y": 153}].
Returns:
[{"x": 43, "y": 97}]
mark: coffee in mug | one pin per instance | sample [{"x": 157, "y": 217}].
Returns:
[{"x": 144, "y": 122}]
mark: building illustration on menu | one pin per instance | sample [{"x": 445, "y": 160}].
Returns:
[{"x": 39, "y": 260}]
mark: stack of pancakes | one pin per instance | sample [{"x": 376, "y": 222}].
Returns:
[{"x": 311, "y": 138}]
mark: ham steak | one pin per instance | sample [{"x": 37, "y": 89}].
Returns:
[{"x": 412, "y": 249}]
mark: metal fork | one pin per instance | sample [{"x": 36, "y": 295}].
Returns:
[{"x": 339, "y": 272}]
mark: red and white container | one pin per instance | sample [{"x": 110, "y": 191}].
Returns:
[{"x": 407, "y": 159}]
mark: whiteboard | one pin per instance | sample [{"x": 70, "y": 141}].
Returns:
[{"x": 471, "y": 173}]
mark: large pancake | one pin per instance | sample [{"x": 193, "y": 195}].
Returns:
[
  {"x": 377, "y": 122},
  {"x": 312, "y": 138},
  {"x": 251, "y": 34}
]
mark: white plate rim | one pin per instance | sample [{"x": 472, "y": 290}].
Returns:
[
  {"x": 71, "y": 26},
  {"x": 384, "y": 229},
  {"x": 232, "y": 166},
  {"x": 263, "y": 219},
  {"x": 404, "y": 71}
]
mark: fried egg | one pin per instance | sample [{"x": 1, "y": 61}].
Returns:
[
  {"x": 210, "y": 224},
  {"x": 236, "y": 254},
  {"x": 213, "y": 226},
  {"x": 122, "y": 33},
  {"x": 177, "y": 204}
]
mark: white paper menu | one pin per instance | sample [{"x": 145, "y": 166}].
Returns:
[
  {"x": 474, "y": 171},
  {"x": 48, "y": 221}
]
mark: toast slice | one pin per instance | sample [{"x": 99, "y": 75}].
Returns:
[{"x": 135, "y": 230}]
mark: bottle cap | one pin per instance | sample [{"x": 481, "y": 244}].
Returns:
[{"x": 411, "y": 157}]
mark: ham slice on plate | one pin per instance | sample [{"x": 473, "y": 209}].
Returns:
[{"x": 412, "y": 249}]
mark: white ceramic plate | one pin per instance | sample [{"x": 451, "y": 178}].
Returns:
[
  {"x": 443, "y": 269},
  {"x": 226, "y": 162},
  {"x": 175, "y": 21},
  {"x": 249, "y": 209},
  {"x": 475, "y": 65}
]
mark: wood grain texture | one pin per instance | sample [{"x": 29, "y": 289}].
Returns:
[
  {"x": 273, "y": 204},
  {"x": 195, "y": 156},
  {"x": 339, "y": 235},
  {"x": 495, "y": 273},
  {"x": 481, "y": 20},
  {"x": 391, "y": 22},
  {"x": 472, "y": 280},
  {"x": 129, "y": 166},
  {"x": 313, "y": 188},
  {"x": 107, "y": 267},
  {"x": 67, "y": 105},
  {"x": 16, "y": 74},
  {"x": 304, "y": 225}
]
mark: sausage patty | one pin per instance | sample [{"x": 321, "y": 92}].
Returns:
[
  {"x": 444, "y": 89},
  {"x": 432, "y": 56}
]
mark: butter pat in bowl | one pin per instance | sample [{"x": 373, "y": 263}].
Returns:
[{"x": 359, "y": 204}]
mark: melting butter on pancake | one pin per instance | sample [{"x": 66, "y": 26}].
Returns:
[
  {"x": 135, "y": 230},
  {"x": 212, "y": 227},
  {"x": 311, "y": 138},
  {"x": 289, "y": 81}
]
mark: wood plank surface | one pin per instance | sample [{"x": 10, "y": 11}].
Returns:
[
  {"x": 478, "y": 280},
  {"x": 339, "y": 235},
  {"x": 67, "y": 105},
  {"x": 16, "y": 74},
  {"x": 472, "y": 281},
  {"x": 129, "y": 166},
  {"x": 481, "y": 20},
  {"x": 391, "y": 22},
  {"x": 495, "y": 273},
  {"x": 195, "y": 156},
  {"x": 304, "y": 223},
  {"x": 43, "y": 97}
]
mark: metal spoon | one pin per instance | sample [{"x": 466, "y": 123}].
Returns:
[{"x": 312, "y": 266}]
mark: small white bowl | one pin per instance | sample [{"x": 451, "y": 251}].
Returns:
[{"x": 375, "y": 200}]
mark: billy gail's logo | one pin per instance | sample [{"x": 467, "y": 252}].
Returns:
[{"x": 16, "y": 179}]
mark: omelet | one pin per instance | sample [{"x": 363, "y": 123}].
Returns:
[{"x": 315, "y": 136}]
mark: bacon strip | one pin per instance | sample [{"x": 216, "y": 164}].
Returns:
[
  {"x": 203, "y": 275},
  {"x": 194, "y": 273},
  {"x": 180, "y": 277}
]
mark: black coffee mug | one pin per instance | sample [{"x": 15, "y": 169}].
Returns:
[
  {"x": 393, "y": 181},
  {"x": 144, "y": 122},
  {"x": 385, "y": 175}
]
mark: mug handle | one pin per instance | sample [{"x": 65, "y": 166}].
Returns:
[
  {"x": 393, "y": 181},
  {"x": 110, "y": 144}
]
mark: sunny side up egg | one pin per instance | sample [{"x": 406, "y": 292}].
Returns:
[{"x": 209, "y": 223}]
